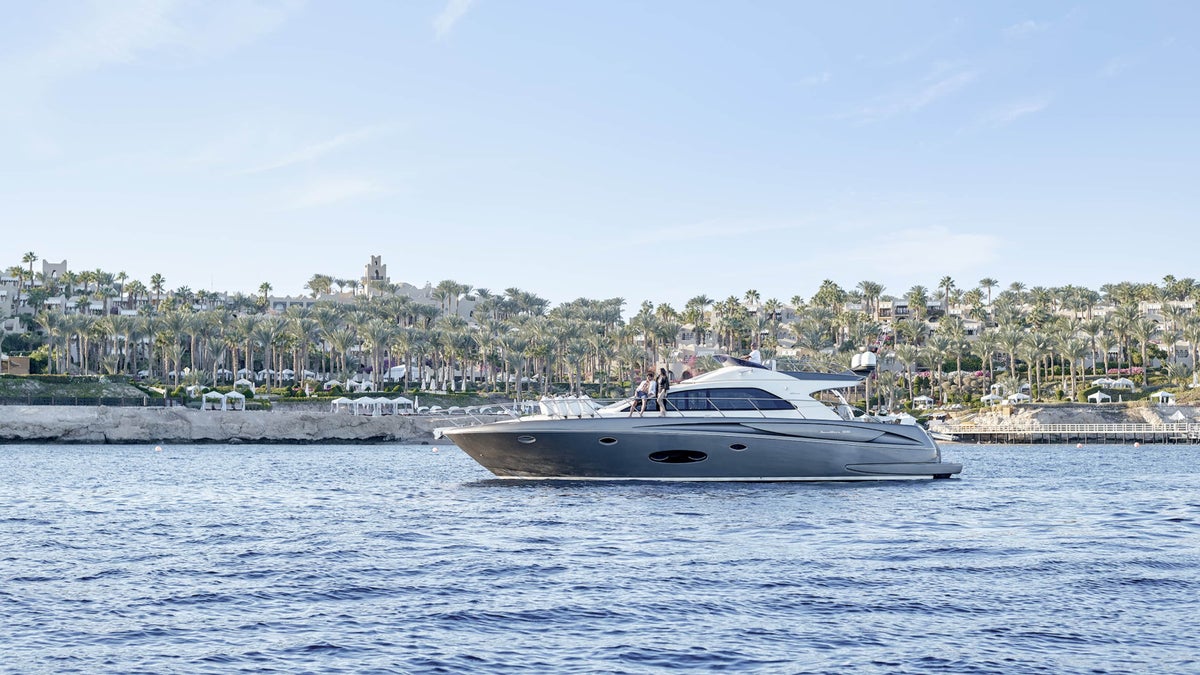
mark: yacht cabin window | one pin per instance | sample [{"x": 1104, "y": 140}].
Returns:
[{"x": 724, "y": 399}]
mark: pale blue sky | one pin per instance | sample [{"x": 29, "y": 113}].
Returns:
[{"x": 647, "y": 150}]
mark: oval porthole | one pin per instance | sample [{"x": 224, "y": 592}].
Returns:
[
  {"x": 608, "y": 440},
  {"x": 678, "y": 456},
  {"x": 737, "y": 447},
  {"x": 526, "y": 439}
]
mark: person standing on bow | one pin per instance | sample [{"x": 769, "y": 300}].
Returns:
[{"x": 662, "y": 384}]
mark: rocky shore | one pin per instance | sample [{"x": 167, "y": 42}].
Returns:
[
  {"x": 101, "y": 424},
  {"x": 1079, "y": 413}
]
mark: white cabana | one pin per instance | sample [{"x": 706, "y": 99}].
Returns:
[
  {"x": 287, "y": 374},
  {"x": 369, "y": 406},
  {"x": 991, "y": 399},
  {"x": 1163, "y": 397},
  {"x": 404, "y": 406},
  {"x": 244, "y": 372},
  {"x": 224, "y": 374},
  {"x": 245, "y": 383},
  {"x": 342, "y": 404},
  {"x": 331, "y": 384},
  {"x": 262, "y": 374},
  {"x": 1099, "y": 397},
  {"x": 1019, "y": 398},
  {"x": 213, "y": 400},
  {"x": 235, "y": 400},
  {"x": 1121, "y": 383},
  {"x": 1102, "y": 382},
  {"x": 922, "y": 402},
  {"x": 355, "y": 385},
  {"x": 194, "y": 390}
]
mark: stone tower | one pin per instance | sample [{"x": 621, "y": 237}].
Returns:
[{"x": 376, "y": 273}]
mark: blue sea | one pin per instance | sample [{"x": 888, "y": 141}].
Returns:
[{"x": 410, "y": 559}]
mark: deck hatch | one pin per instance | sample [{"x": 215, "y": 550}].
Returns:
[
  {"x": 608, "y": 440},
  {"x": 526, "y": 439}
]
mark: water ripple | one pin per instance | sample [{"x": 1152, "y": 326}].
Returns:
[{"x": 221, "y": 559}]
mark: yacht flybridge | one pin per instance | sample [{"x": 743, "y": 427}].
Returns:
[{"x": 741, "y": 422}]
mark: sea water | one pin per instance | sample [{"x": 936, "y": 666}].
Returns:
[{"x": 410, "y": 559}]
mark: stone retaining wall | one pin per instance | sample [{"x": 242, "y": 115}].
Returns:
[{"x": 100, "y": 424}]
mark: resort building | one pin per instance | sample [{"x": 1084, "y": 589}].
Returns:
[{"x": 376, "y": 283}]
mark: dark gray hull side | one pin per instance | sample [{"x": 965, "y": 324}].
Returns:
[{"x": 673, "y": 448}]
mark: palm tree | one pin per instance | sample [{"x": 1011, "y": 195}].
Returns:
[
  {"x": 169, "y": 333},
  {"x": 1143, "y": 331},
  {"x": 946, "y": 285},
  {"x": 319, "y": 284},
  {"x": 54, "y": 326},
  {"x": 267, "y": 331},
  {"x": 988, "y": 283},
  {"x": 157, "y": 284},
  {"x": 912, "y": 331},
  {"x": 264, "y": 289},
  {"x": 1010, "y": 340},
  {"x": 955, "y": 331},
  {"x": 1035, "y": 348},
  {"x": 871, "y": 292},
  {"x": 985, "y": 347},
  {"x": 907, "y": 355},
  {"x": 1074, "y": 351},
  {"x": 1191, "y": 333},
  {"x": 937, "y": 347},
  {"x": 1123, "y": 326},
  {"x": 773, "y": 309},
  {"x": 695, "y": 313},
  {"x": 1092, "y": 328},
  {"x": 340, "y": 339},
  {"x": 304, "y": 332},
  {"x": 918, "y": 303},
  {"x": 377, "y": 335},
  {"x": 30, "y": 258},
  {"x": 829, "y": 295}
]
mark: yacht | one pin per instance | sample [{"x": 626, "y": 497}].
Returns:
[{"x": 740, "y": 422}]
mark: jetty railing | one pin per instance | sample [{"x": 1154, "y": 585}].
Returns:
[{"x": 1062, "y": 433}]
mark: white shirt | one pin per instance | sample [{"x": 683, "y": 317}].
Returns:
[{"x": 755, "y": 357}]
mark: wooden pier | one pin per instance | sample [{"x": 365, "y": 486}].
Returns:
[{"x": 1075, "y": 433}]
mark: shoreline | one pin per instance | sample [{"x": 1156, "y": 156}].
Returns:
[{"x": 180, "y": 425}]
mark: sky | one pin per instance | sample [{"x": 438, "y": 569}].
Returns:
[{"x": 643, "y": 150}]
